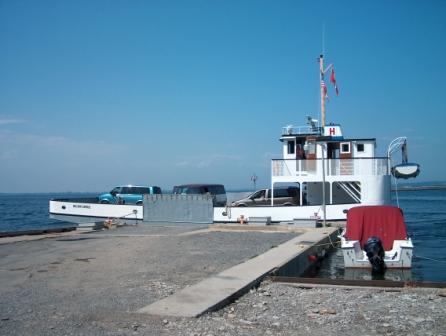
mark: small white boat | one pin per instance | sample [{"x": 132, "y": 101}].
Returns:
[
  {"x": 406, "y": 170},
  {"x": 375, "y": 237}
]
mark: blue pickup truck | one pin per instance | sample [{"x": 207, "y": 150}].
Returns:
[{"x": 127, "y": 194}]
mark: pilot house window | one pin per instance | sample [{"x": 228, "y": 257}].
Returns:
[
  {"x": 290, "y": 147},
  {"x": 345, "y": 147}
]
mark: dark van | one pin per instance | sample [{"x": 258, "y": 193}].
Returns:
[{"x": 217, "y": 191}]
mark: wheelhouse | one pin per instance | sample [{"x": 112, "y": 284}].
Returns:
[{"x": 319, "y": 160}]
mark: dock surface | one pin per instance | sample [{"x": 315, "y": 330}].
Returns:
[
  {"x": 77, "y": 276},
  {"x": 223, "y": 288},
  {"x": 107, "y": 283}
]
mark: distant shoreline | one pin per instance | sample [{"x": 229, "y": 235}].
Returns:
[
  {"x": 248, "y": 190},
  {"x": 420, "y": 187}
]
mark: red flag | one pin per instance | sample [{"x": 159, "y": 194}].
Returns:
[
  {"x": 333, "y": 80},
  {"x": 332, "y": 77}
]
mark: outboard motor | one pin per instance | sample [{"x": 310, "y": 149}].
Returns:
[{"x": 375, "y": 252}]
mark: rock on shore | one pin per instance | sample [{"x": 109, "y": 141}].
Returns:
[
  {"x": 284, "y": 309},
  {"x": 281, "y": 309}
]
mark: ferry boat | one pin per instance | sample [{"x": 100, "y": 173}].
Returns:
[{"x": 332, "y": 172}]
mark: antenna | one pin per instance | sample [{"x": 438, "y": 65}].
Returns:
[
  {"x": 323, "y": 38},
  {"x": 254, "y": 180}
]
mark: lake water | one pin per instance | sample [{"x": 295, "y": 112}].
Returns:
[{"x": 424, "y": 210}]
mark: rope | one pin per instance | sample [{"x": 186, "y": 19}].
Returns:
[
  {"x": 396, "y": 192},
  {"x": 330, "y": 243},
  {"x": 132, "y": 213},
  {"x": 396, "y": 185}
]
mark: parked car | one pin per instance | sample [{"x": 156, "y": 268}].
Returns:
[
  {"x": 128, "y": 194},
  {"x": 262, "y": 197},
  {"x": 217, "y": 191}
]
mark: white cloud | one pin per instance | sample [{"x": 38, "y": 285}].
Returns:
[
  {"x": 10, "y": 121},
  {"x": 51, "y": 145},
  {"x": 206, "y": 161},
  {"x": 56, "y": 163},
  {"x": 183, "y": 163}
]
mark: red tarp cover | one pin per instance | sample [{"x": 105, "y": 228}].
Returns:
[{"x": 385, "y": 222}]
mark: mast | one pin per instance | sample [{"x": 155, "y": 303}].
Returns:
[
  {"x": 323, "y": 89},
  {"x": 323, "y": 95}
]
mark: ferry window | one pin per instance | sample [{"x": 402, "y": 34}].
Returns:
[
  {"x": 291, "y": 147},
  {"x": 312, "y": 193},
  {"x": 345, "y": 147},
  {"x": 346, "y": 192},
  {"x": 360, "y": 147},
  {"x": 285, "y": 192}
]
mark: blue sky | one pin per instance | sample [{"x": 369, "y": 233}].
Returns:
[{"x": 99, "y": 93}]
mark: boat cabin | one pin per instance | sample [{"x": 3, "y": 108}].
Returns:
[
  {"x": 300, "y": 143},
  {"x": 313, "y": 154}
]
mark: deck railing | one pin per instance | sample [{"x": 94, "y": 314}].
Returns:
[
  {"x": 287, "y": 130},
  {"x": 333, "y": 167}
]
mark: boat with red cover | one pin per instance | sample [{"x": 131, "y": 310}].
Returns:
[{"x": 376, "y": 237}]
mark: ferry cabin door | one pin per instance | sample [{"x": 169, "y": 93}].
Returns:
[
  {"x": 346, "y": 162},
  {"x": 333, "y": 157},
  {"x": 310, "y": 153},
  {"x": 300, "y": 155}
]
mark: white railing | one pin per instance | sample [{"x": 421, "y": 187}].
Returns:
[
  {"x": 290, "y": 129},
  {"x": 333, "y": 167}
]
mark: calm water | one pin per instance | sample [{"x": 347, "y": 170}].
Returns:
[
  {"x": 22, "y": 212},
  {"x": 425, "y": 213}
]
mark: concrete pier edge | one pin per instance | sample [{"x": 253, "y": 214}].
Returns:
[{"x": 219, "y": 290}]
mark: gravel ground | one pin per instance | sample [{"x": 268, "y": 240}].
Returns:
[
  {"x": 56, "y": 286},
  {"x": 94, "y": 284}
]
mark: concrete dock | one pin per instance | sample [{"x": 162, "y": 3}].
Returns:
[
  {"x": 223, "y": 288},
  {"x": 67, "y": 280}
]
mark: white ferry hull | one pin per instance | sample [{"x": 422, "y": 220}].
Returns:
[
  {"x": 281, "y": 213},
  {"x": 95, "y": 210},
  {"x": 221, "y": 214}
]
